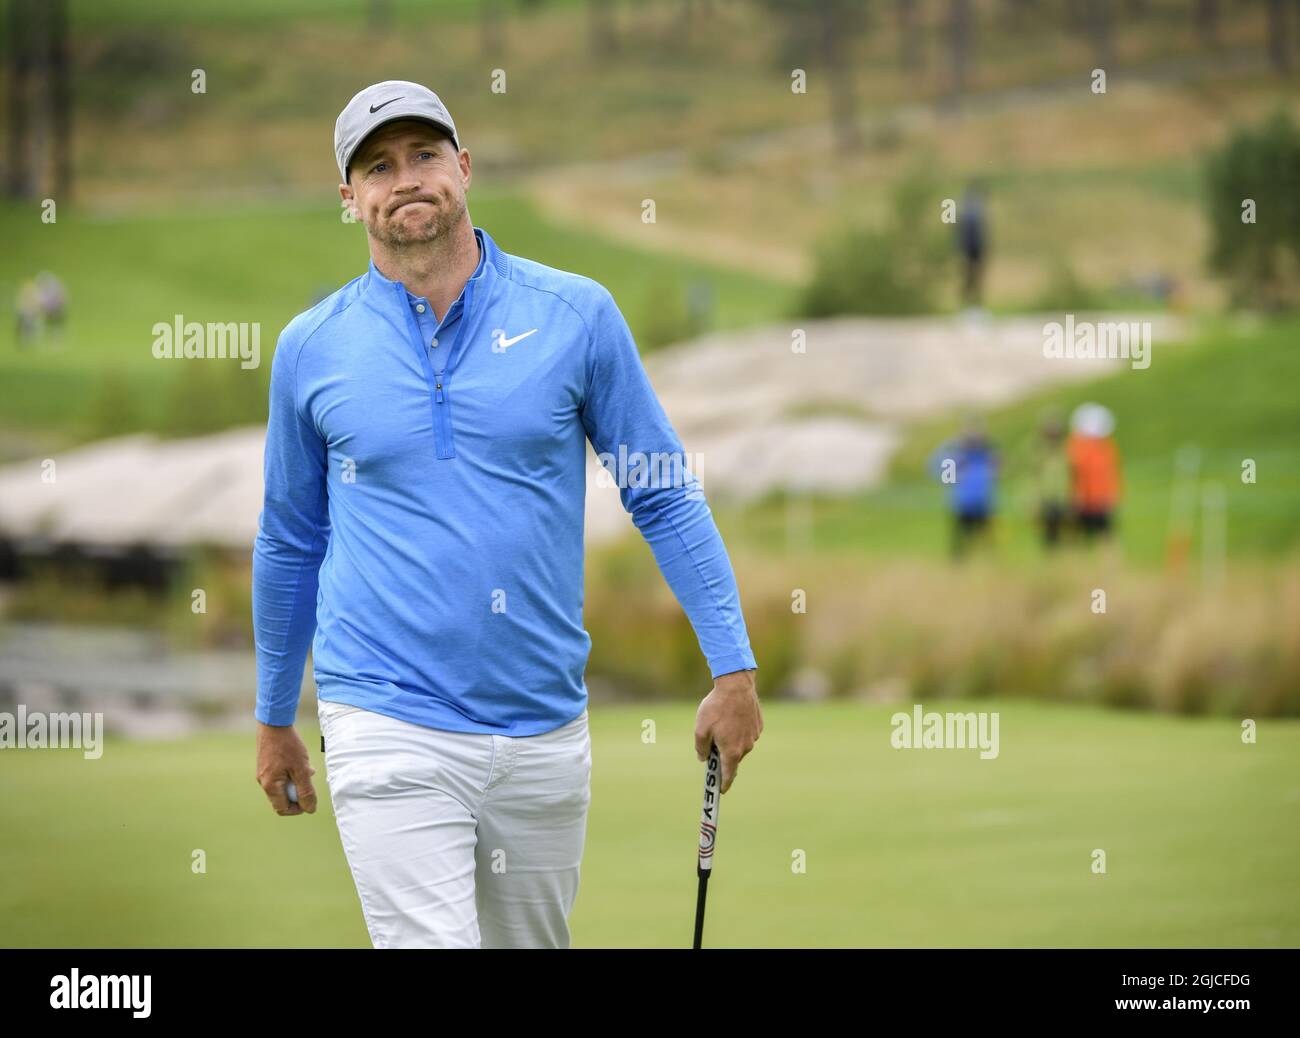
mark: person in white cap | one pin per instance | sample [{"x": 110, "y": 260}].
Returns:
[
  {"x": 422, "y": 534},
  {"x": 1095, "y": 469}
]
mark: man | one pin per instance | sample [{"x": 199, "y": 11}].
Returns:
[
  {"x": 969, "y": 465},
  {"x": 972, "y": 242},
  {"x": 423, "y": 523},
  {"x": 1051, "y": 475}
]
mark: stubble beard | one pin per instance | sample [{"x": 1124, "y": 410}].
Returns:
[{"x": 398, "y": 232}]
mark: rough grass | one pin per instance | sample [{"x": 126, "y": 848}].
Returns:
[{"x": 893, "y": 629}]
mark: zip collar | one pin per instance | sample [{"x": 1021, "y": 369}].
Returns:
[{"x": 493, "y": 263}]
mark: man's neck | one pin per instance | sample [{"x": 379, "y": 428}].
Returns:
[{"x": 436, "y": 270}]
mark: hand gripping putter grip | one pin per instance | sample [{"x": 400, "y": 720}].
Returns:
[{"x": 708, "y": 833}]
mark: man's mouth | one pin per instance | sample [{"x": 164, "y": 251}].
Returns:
[{"x": 414, "y": 201}]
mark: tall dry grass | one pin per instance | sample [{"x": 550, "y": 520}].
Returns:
[
  {"x": 925, "y": 630},
  {"x": 883, "y": 631}
]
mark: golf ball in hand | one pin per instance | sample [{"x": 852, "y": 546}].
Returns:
[{"x": 291, "y": 791}]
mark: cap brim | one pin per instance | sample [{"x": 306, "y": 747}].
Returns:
[{"x": 396, "y": 117}]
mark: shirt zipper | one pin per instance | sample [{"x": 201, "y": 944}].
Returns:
[
  {"x": 441, "y": 418},
  {"x": 446, "y": 449}
]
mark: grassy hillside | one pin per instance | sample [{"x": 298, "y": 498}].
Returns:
[
  {"x": 256, "y": 263},
  {"x": 1108, "y": 183},
  {"x": 1230, "y": 393}
]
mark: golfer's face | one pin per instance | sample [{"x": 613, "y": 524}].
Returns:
[{"x": 408, "y": 183}]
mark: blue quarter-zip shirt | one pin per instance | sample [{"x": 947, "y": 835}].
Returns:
[{"x": 425, "y": 482}]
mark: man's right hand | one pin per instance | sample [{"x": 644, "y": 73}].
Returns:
[{"x": 281, "y": 758}]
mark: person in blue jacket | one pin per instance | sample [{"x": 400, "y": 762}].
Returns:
[
  {"x": 968, "y": 466},
  {"x": 422, "y": 535}
]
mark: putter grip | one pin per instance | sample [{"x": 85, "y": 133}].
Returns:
[{"x": 709, "y": 815}]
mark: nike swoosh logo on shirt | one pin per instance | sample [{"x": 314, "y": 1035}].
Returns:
[{"x": 502, "y": 342}]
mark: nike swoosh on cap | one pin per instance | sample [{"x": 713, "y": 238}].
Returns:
[{"x": 375, "y": 108}]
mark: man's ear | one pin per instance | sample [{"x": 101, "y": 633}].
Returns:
[
  {"x": 466, "y": 167},
  {"x": 349, "y": 203}
]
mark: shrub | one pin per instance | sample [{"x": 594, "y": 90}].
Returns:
[
  {"x": 665, "y": 317},
  {"x": 1066, "y": 292},
  {"x": 894, "y": 269},
  {"x": 1261, "y": 260}
]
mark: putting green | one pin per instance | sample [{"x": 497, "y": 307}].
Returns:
[{"x": 829, "y": 837}]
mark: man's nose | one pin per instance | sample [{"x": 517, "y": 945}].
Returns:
[{"x": 407, "y": 179}]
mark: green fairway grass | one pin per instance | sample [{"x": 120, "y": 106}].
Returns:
[{"x": 902, "y": 847}]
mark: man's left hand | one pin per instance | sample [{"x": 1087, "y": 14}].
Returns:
[{"x": 731, "y": 717}]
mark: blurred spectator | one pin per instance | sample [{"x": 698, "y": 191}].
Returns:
[
  {"x": 53, "y": 300},
  {"x": 27, "y": 307},
  {"x": 968, "y": 464},
  {"x": 1094, "y": 469},
  {"x": 1155, "y": 285},
  {"x": 1051, "y": 473},
  {"x": 972, "y": 241}
]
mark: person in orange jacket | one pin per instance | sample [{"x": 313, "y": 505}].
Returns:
[{"x": 1095, "y": 481}]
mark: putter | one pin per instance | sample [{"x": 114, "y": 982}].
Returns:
[{"x": 708, "y": 833}]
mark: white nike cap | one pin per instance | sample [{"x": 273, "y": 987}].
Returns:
[{"x": 384, "y": 103}]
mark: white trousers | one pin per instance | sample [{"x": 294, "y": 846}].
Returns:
[{"x": 459, "y": 840}]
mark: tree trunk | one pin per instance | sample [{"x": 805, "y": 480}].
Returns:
[
  {"x": 685, "y": 21},
  {"x": 1207, "y": 21},
  {"x": 18, "y": 180},
  {"x": 844, "y": 102},
  {"x": 1099, "y": 28},
  {"x": 1297, "y": 23},
  {"x": 959, "y": 35},
  {"x": 909, "y": 36},
  {"x": 60, "y": 97},
  {"x": 601, "y": 35},
  {"x": 1279, "y": 46}
]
